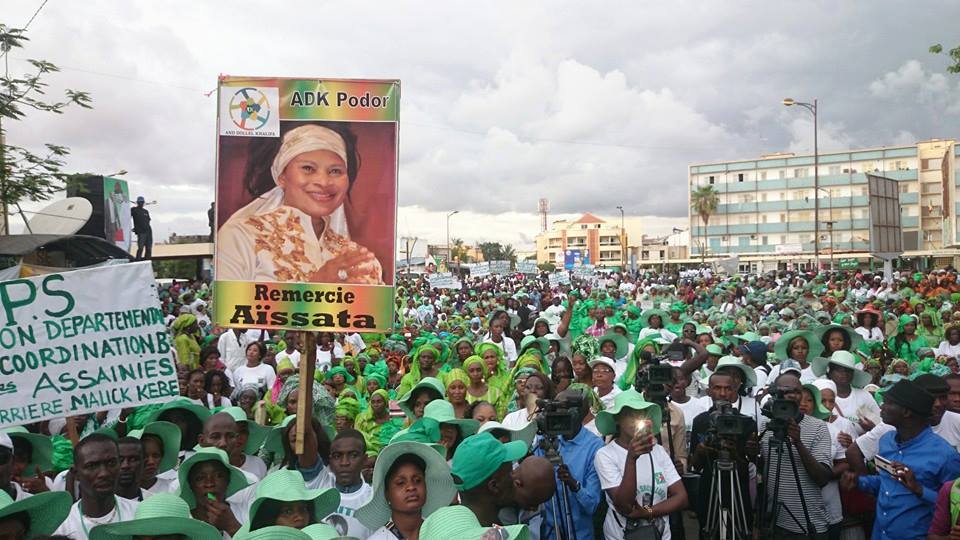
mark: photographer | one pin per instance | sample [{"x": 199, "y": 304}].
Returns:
[
  {"x": 673, "y": 432},
  {"x": 640, "y": 482},
  {"x": 706, "y": 443},
  {"x": 577, "y": 473},
  {"x": 810, "y": 453}
]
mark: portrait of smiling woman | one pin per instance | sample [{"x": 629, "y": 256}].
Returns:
[{"x": 296, "y": 228}]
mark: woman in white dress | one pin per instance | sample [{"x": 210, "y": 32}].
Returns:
[
  {"x": 297, "y": 230},
  {"x": 410, "y": 481}
]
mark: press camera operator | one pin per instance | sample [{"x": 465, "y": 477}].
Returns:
[
  {"x": 576, "y": 475},
  {"x": 672, "y": 436},
  {"x": 723, "y": 428},
  {"x": 797, "y": 457}
]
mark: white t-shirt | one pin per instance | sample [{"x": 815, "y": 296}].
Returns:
[
  {"x": 849, "y": 406},
  {"x": 806, "y": 375},
  {"x": 610, "y": 461},
  {"x": 831, "y": 491},
  {"x": 691, "y": 409},
  {"x": 508, "y": 347},
  {"x": 262, "y": 376},
  {"x": 162, "y": 485},
  {"x": 345, "y": 522},
  {"x": 255, "y": 466},
  {"x": 78, "y": 526},
  {"x": 946, "y": 349},
  {"x": 873, "y": 334},
  {"x": 382, "y": 534},
  {"x": 294, "y": 357},
  {"x": 607, "y": 400}
]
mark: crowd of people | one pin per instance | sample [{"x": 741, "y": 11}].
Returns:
[{"x": 620, "y": 406}]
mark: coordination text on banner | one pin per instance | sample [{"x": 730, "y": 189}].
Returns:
[{"x": 83, "y": 341}]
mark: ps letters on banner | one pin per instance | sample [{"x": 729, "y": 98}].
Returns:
[{"x": 81, "y": 342}]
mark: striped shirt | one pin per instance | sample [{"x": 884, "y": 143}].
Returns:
[{"x": 815, "y": 436}]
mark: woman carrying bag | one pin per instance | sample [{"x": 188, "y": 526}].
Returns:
[{"x": 637, "y": 475}]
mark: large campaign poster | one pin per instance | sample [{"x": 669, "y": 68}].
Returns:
[
  {"x": 306, "y": 203},
  {"x": 70, "y": 346},
  {"x": 117, "y": 221}
]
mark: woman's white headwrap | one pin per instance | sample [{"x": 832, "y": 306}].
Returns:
[
  {"x": 827, "y": 384},
  {"x": 305, "y": 139},
  {"x": 295, "y": 142}
]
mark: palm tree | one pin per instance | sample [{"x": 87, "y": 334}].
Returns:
[{"x": 704, "y": 202}]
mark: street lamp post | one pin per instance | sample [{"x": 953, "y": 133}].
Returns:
[
  {"x": 623, "y": 247},
  {"x": 449, "y": 254},
  {"x": 829, "y": 225},
  {"x": 812, "y": 108}
]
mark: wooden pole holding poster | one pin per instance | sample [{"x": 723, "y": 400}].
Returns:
[{"x": 305, "y": 391}]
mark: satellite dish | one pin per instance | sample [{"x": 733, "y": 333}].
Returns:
[{"x": 62, "y": 217}]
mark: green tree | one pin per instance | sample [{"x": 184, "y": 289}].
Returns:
[
  {"x": 458, "y": 251},
  {"x": 704, "y": 202},
  {"x": 25, "y": 175},
  {"x": 547, "y": 267},
  {"x": 954, "y": 55},
  {"x": 495, "y": 251}
]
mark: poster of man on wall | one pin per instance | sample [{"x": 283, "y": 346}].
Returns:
[{"x": 117, "y": 226}]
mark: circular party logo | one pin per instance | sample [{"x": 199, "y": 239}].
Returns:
[{"x": 249, "y": 109}]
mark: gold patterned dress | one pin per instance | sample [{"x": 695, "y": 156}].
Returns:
[{"x": 279, "y": 244}]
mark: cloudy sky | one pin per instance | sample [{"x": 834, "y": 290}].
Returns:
[{"x": 591, "y": 105}]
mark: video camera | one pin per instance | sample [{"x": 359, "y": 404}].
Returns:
[
  {"x": 559, "y": 417},
  {"x": 780, "y": 411},
  {"x": 653, "y": 376},
  {"x": 726, "y": 422}
]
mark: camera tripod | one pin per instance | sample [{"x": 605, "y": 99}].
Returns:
[
  {"x": 780, "y": 442},
  {"x": 560, "y": 503},
  {"x": 726, "y": 512}
]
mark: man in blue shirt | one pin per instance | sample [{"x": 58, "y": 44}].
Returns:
[
  {"x": 920, "y": 462},
  {"x": 577, "y": 473}
]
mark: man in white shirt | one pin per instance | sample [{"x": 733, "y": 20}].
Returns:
[
  {"x": 96, "y": 464},
  {"x": 291, "y": 352},
  {"x": 232, "y": 349},
  {"x": 348, "y": 456}
]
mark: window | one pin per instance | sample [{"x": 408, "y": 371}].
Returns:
[
  {"x": 903, "y": 187},
  {"x": 833, "y": 169},
  {"x": 899, "y": 165},
  {"x": 783, "y": 239},
  {"x": 744, "y": 219},
  {"x": 799, "y": 195},
  {"x": 782, "y": 174},
  {"x": 765, "y": 240},
  {"x": 799, "y": 173},
  {"x": 763, "y": 175},
  {"x": 763, "y": 197},
  {"x": 783, "y": 218},
  {"x": 739, "y": 177},
  {"x": 929, "y": 164},
  {"x": 711, "y": 179},
  {"x": 763, "y": 218}
]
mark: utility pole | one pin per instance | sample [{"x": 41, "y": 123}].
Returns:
[
  {"x": 623, "y": 243},
  {"x": 407, "y": 240}
]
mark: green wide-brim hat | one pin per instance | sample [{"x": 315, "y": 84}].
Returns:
[
  {"x": 855, "y": 338},
  {"x": 623, "y": 346},
  {"x": 821, "y": 365},
  {"x": 237, "y": 482},
  {"x": 161, "y": 514},
  {"x": 201, "y": 412},
  {"x": 257, "y": 433},
  {"x": 541, "y": 343},
  {"x": 781, "y": 347},
  {"x": 747, "y": 337},
  {"x": 321, "y": 531},
  {"x": 645, "y": 316},
  {"x": 440, "y": 489},
  {"x": 274, "y": 532},
  {"x": 431, "y": 383},
  {"x": 42, "y": 449},
  {"x": 45, "y": 510},
  {"x": 287, "y": 485},
  {"x": 819, "y": 412},
  {"x": 749, "y": 375},
  {"x": 442, "y": 411},
  {"x": 630, "y": 399},
  {"x": 170, "y": 435},
  {"x": 526, "y": 434},
  {"x": 461, "y": 523}
]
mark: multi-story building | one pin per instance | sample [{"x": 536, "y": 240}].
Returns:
[
  {"x": 767, "y": 205},
  {"x": 591, "y": 235}
]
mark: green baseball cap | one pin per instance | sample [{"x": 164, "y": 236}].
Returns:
[{"x": 479, "y": 456}]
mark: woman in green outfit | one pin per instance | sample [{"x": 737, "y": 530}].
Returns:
[
  {"x": 184, "y": 342},
  {"x": 906, "y": 342},
  {"x": 424, "y": 364},
  {"x": 479, "y": 389},
  {"x": 497, "y": 374},
  {"x": 376, "y": 424}
]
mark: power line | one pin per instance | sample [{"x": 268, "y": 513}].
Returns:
[{"x": 32, "y": 17}]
